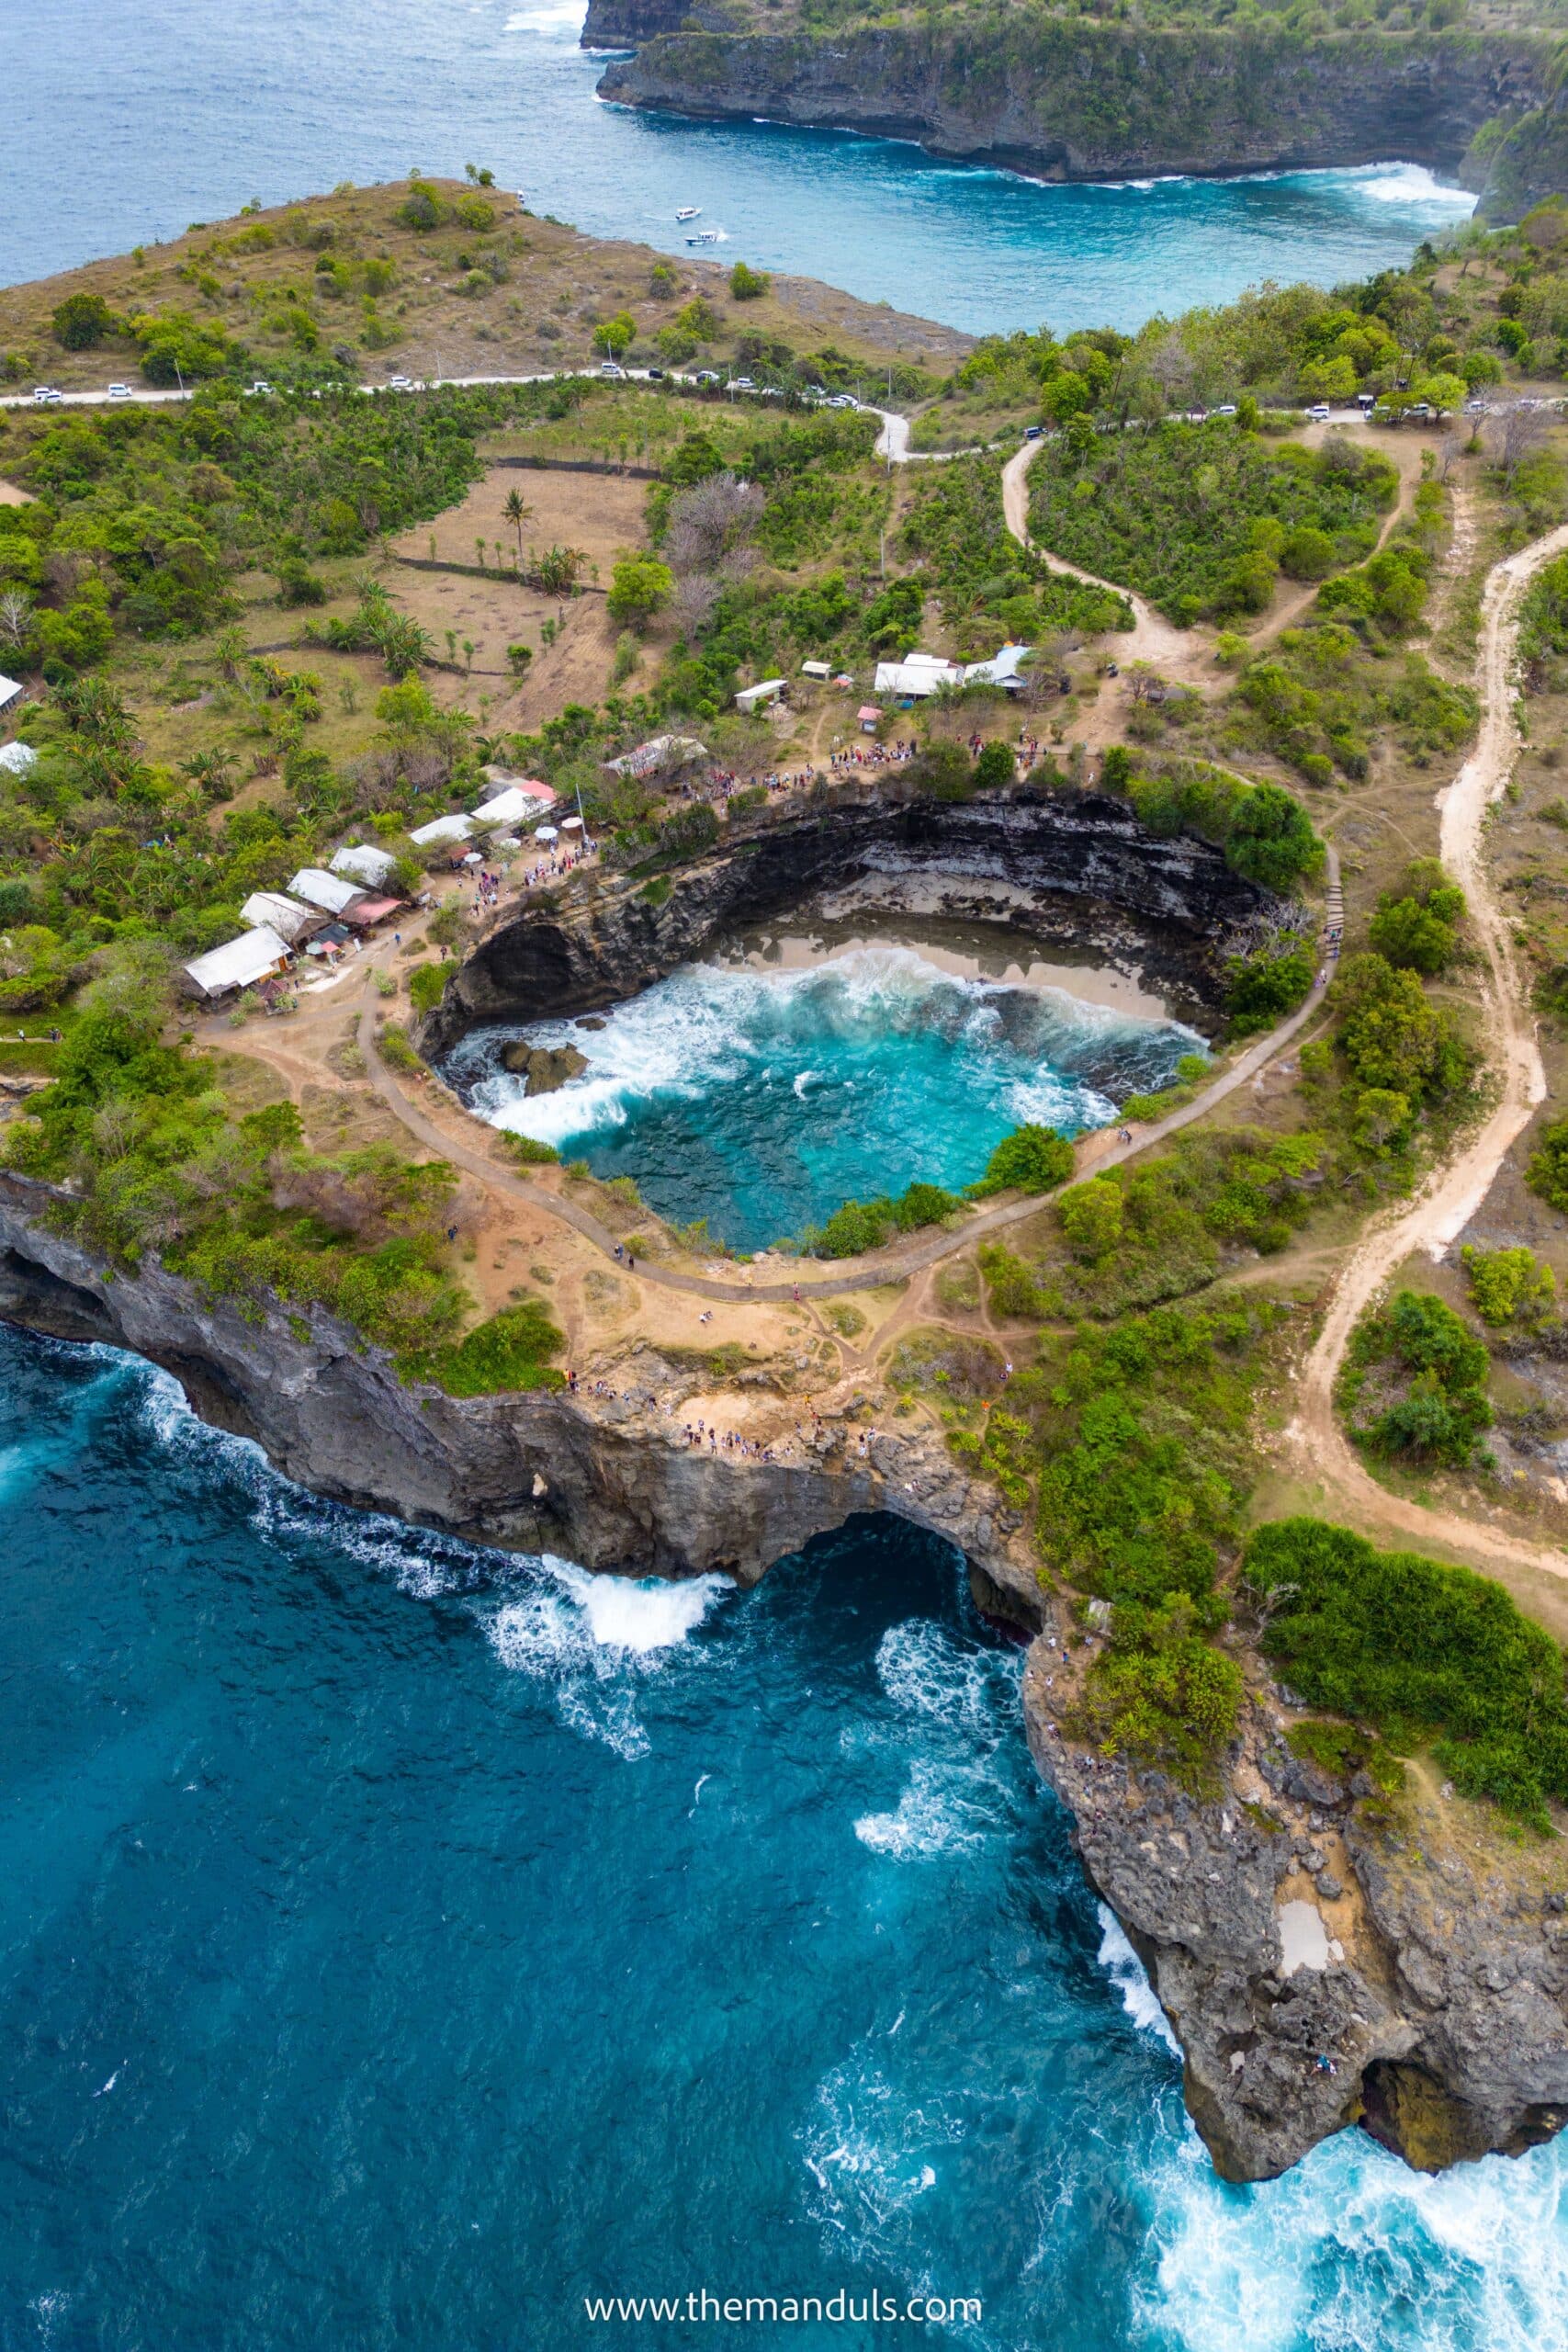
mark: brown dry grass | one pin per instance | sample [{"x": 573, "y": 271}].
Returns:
[{"x": 558, "y": 283}]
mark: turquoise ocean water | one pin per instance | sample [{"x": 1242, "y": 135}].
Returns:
[
  {"x": 760, "y": 1100},
  {"x": 400, "y": 1943},
  {"x": 126, "y": 119}
]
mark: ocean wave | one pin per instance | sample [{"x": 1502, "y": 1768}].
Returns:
[
  {"x": 958, "y": 1705},
  {"x": 1353, "y": 2249},
  {"x": 1410, "y": 184},
  {"x": 548, "y": 16},
  {"x": 591, "y": 1639},
  {"x": 1125, "y": 1969}
]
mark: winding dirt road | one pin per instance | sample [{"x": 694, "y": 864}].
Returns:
[{"x": 1455, "y": 1191}]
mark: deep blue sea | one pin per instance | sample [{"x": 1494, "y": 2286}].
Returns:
[
  {"x": 760, "y": 1099},
  {"x": 400, "y": 1943},
  {"x": 126, "y": 119}
]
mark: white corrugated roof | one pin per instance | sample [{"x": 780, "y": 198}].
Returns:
[
  {"x": 510, "y": 806},
  {"x": 443, "y": 829},
  {"x": 1000, "y": 669},
  {"x": 238, "y": 962},
  {"x": 10, "y": 690},
  {"x": 363, "y": 864},
  {"x": 272, "y": 912},
  {"x": 918, "y": 674},
  {"x": 331, "y": 892}
]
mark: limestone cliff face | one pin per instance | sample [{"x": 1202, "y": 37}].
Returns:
[
  {"x": 1094, "y": 101},
  {"x": 600, "y": 940},
  {"x": 1295, "y": 1919},
  {"x": 600, "y": 1481}
]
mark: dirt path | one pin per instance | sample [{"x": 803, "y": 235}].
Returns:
[
  {"x": 1103, "y": 1149},
  {"x": 1171, "y": 651},
  {"x": 1454, "y": 1192}
]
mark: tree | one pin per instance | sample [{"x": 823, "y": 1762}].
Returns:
[
  {"x": 1032, "y": 1159},
  {"x": 994, "y": 766},
  {"x": 746, "y": 284},
  {"x": 81, "y": 322},
  {"x": 517, "y": 512},
  {"x": 1091, "y": 1219},
  {"x": 1306, "y": 553},
  {"x": 616, "y": 335},
  {"x": 639, "y": 588}
]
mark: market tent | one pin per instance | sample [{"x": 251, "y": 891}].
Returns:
[
  {"x": 370, "y": 911},
  {"x": 546, "y": 833}
]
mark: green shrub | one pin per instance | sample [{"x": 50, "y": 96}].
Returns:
[
  {"x": 1429, "y": 1351},
  {"x": 393, "y": 1044},
  {"x": 1032, "y": 1159},
  {"x": 1416, "y": 929},
  {"x": 510, "y": 1351},
  {"x": 529, "y": 1151},
  {"x": 1546, "y": 1172},
  {"x": 1263, "y": 987},
  {"x": 427, "y": 985},
  {"x": 1418, "y": 1649},
  {"x": 1161, "y": 1693},
  {"x": 1508, "y": 1285},
  {"x": 748, "y": 285},
  {"x": 856, "y": 1226},
  {"x": 1011, "y": 1286}
]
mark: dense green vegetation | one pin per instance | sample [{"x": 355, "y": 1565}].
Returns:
[
  {"x": 1202, "y": 518},
  {"x": 512, "y": 1351},
  {"x": 1161, "y": 1693},
  {"x": 1032, "y": 1158},
  {"x": 1417, "y": 1649},
  {"x": 142, "y": 1134},
  {"x": 988, "y": 587},
  {"x": 1415, "y": 928},
  {"x": 1508, "y": 1285},
  {"x": 1427, "y": 1374},
  {"x": 858, "y": 1225},
  {"x": 1266, "y": 835}
]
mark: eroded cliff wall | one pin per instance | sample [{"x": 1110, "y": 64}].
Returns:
[{"x": 1093, "y": 101}]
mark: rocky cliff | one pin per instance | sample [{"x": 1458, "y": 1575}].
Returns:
[
  {"x": 1328, "y": 1955},
  {"x": 599, "y": 1480},
  {"x": 1086, "y": 100},
  {"x": 1080, "y": 863}
]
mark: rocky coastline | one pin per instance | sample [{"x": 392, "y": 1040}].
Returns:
[
  {"x": 1089, "y": 101},
  {"x": 1073, "y": 869},
  {"x": 1326, "y": 1957}
]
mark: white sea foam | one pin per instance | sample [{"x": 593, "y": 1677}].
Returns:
[
  {"x": 955, "y": 1699},
  {"x": 1411, "y": 184},
  {"x": 943, "y": 1809},
  {"x": 1125, "y": 1969},
  {"x": 1352, "y": 2249},
  {"x": 592, "y": 1639},
  {"x": 708, "y": 1027},
  {"x": 549, "y": 16}
]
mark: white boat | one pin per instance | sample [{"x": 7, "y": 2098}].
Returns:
[
  {"x": 704, "y": 237},
  {"x": 688, "y": 211}
]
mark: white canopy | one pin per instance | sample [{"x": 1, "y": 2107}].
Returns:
[
  {"x": 271, "y": 910},
  {"x": 240, "y": 963},
  {"x": 443, "y": 829},
  {"x": 571, "y": 824},
  {"x": 516, "y": 803},
  {"x": 331, "y": 892},
  {"x": 363, "y": 864},
  {"x": 546, "y": 833},
  {"x": 19, "y": 759}
]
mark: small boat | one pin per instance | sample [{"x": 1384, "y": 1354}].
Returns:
[
  {"x": 688, "y": 211},
  {"x": 704, "y": 237}
]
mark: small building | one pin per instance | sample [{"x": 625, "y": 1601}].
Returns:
[
  {"x": 660, "y": 755},
  {"x": 363, "y": 864},
  {"x": 332, "y": 893},
  {"x": 1003, "y": 669},
  {"x": 290, "y": 918},
  {"x": 442, "y": 830},
  {"x": 515, "y": 805},
  {"x": 917, "y": 675},
  {"x": 242, "y": 963},
  {"x": 754, "y": 698},
  {"x": 10, "y": 690},
  {"x": 870, "y": 717},
  {"x": 816, "y": 670},
  {"x": 17, "y": 759}
]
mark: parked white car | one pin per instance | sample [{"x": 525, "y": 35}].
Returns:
[{"x": 119, "y": 392}]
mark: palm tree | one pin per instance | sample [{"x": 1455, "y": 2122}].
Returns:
[{"x": 517, "y": 512}]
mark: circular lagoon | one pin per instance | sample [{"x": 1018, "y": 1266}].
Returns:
[{"x": 796, "y": 1069}]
